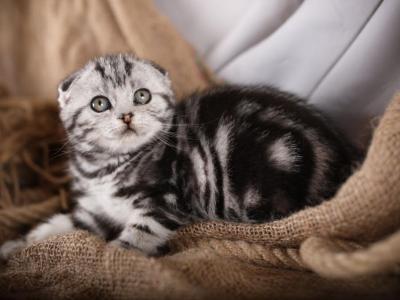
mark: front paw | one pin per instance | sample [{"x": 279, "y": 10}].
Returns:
[
  {"x": 121, "y": 244},
  {"x": 153, "y": 251},
  {"x": 10, "y": 247}
]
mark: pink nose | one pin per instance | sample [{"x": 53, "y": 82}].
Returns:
[{"x": 127, "y": 118}]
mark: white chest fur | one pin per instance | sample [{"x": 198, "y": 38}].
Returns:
[{"x": 99, "y": 199}]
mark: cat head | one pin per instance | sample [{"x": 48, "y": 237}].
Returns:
[{"x": 116, "y": 103}]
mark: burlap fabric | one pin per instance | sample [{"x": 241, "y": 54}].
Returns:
[{"x": 347, "y": 247}]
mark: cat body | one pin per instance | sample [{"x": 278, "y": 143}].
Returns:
[{"x": 144, "y": 165}]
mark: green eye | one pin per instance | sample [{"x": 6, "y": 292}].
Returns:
[
  {"x": 100, "y": 104},
  {"x": 142, "y": 96}
]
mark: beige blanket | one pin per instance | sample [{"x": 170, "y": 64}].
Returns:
[{"x": 345, "y": 248}]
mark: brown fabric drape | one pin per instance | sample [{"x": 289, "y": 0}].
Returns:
[{"x": 42, "y": 41}]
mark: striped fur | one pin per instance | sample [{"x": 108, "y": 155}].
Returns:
[{"x": 245, "y": 154}]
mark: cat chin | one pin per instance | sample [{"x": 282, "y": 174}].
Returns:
[{"x": 123, "y": 144}]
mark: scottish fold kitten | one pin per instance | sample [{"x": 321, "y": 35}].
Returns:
[{"x": 144, "y": 165}]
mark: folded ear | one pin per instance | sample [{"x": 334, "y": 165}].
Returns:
[
  {"x": 64, "y": 88},
  {"x": 157, "y": 67}
]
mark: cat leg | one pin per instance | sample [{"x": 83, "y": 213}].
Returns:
[
  {"x": 57, "y": 224},
  {"x": 148, "y": 231},
  {"x": 10, "y": 247}
]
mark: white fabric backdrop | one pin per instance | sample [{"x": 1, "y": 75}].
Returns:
[{"x": 341, "y": 55}]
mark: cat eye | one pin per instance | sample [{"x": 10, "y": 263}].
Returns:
[
  {"x": 142, "y": 96},
  {"x": 100, "y": 104}
]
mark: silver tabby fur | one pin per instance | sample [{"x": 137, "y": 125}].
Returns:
[{"x": 245, "y": 154}]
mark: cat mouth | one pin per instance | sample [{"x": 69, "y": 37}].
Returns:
[{"x": 129, "y": 130}]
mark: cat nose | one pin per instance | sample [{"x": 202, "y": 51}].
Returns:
[{"x": 127, "y": 118}]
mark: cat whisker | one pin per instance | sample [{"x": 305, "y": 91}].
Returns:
[{"x": 162, "y": 140}]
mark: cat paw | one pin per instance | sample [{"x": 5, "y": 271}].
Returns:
[
  {"x": 125, "y": 245},
  {"x": 154, "y": 251},
  {"x": 10, "y": 247},
  {"x": 121, "y": 244},
  {"x": 57, "y": 224}
]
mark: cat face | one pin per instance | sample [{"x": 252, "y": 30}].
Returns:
[{"x": 116, "y": 103}]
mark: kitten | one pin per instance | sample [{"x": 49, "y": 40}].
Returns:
[{"x": 144, "y": 165}]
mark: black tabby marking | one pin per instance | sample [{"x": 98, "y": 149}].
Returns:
[
  {"x": 163, "y": 219},
  {"x": 99, "y": 68},
  {"x": 143, "y": 228},
  {"x": 116, "y": 78},
  {"x": 109, "y": 227},
  {"x": 78, "y": 224},
  {"x": 74, "y": 119},
  {"x": 128, "y": 67}
]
